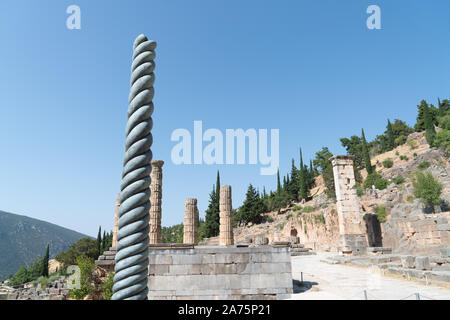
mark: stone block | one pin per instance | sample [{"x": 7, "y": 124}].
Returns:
[
  {"x": 408, "y": 262},
  {"x": 445, "y": 252},
  {"x": 422, "y": 263}
]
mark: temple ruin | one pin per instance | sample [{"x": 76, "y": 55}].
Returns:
[
  {"x": 226, "y": 237},
  {"x": 155, "y": 202},
  {"x": 190, "y": 221}
]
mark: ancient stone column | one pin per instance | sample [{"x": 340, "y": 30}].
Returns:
[
  {"x": 116, "y": 222},
  {"x": 226, "y": 237},
  {"x": 190, "y": 221},
  {"x": 352, "y": 237},
  {"x": 155, "y": 202}
]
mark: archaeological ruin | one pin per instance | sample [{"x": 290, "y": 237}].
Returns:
[
  {"x": 226, "y": 237},
  {"x": 156, "y": 201},
  {"x": 190, "y": 222},
  {"x": 352, "y": 236}
]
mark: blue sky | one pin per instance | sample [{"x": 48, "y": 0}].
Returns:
[{"x": 309, "y": 68}]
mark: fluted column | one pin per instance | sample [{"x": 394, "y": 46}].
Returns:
[
  {"x": 226, "y": 237},
  {"x": 190, "y": 221},
  {"x": 116, "y": 222},
  {"x": 155, "y": 200}
]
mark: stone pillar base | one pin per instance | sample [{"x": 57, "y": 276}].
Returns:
[{"x": 352, "y": 244}]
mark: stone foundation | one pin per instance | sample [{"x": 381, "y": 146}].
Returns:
[{"x": 220, "y": 273}]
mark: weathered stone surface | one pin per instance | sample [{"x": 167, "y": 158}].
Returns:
[
  {"x": 190, "y": 221},
  {"x": 155, "y": 202},
  {"x": 422, "y": 263},
  {"x": 408, "y": 261},
  {"x": 226, "y": 237},
  {"x": 352, "y": 238},
  {"x": 220, "y": 273},
  {"x": 445, "y": 252}
]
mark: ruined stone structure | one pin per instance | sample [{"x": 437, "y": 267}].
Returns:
[
  {"x": 155, "y": 202},
  {"x": 116, "y": 222},
  {"x": 226, "y": 237},
  {"x": 352, "y": 237},
  {"x": 190, "y": 221}
]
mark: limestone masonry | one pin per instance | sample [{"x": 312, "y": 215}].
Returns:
[
  {"x": 220, "y": 273},
  {"x": 155, "y": 202},
  {"x": 190, "y": 221},
  {"x": 352, "y": 237},
  {"x": 226, "y": 237}
]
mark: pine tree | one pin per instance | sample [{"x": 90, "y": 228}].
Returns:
[
  {"x": 99, "y": 240},
  {"x": 366, "y": 154},
  {"x": 444, "y": 107},
  {"x": 430, "y": 132},
  {"x": 253, "y": 206},
  {"x": 390, "y": 136},
  {"x": 45, "y": 262}
]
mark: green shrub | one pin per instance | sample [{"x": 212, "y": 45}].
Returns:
[
  {"x": 388, "y": 163},
  {"x": 398, "y": 180},
  {"x": 107, "y": 287},
  {"x": 321, "y": 218},
  {"x": 397, "y": 153},
  {"x": 305, "y": 229},
  {"x": 442, "y": 140},
  {"x": 269, "y": 219},
  {"x": 412, "y": 144},
  {"x": 381, "y": 214},
  {"x": 377, "y": 180},
  {"x": 86, "y": 266},
  {"x": 427, "y": 188},
  {"x": 424, "y": 165},
  {"x": 444, "y": 122},
  {"x": 404, "y": 158},
  {"x": 308, "y": 209},
  {"x": 414, "y": 154},
  {"x": 359, "y": 190},
  {"x": 281, "y": 226},
  {"x": 297, "y": 208},
  {"x": 290, "y": 215}
]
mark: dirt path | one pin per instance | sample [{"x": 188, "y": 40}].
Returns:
[{"x": 339, "y": 282}]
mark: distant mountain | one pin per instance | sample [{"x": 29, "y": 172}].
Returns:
[{"x": 22, "y": 239}]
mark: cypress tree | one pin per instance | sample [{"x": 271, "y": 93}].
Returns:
[
  {"x": 217, "y": 192},
  {"x": 278, "y": 181},
  {"x": 99, "y": 240},
  {"x": 212, "y": 216},
  {"x": 294, "y": 183},
  {"x": 45, "y": 262},
  {"x": 303, "y": 189},
  {"x": 366, "y": 155},
  {"x": 430, "y": 132},
  {"x": 390, "y": 136}
]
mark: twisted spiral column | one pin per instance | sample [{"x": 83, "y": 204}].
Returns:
[{"x": 130, "y": 280}]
